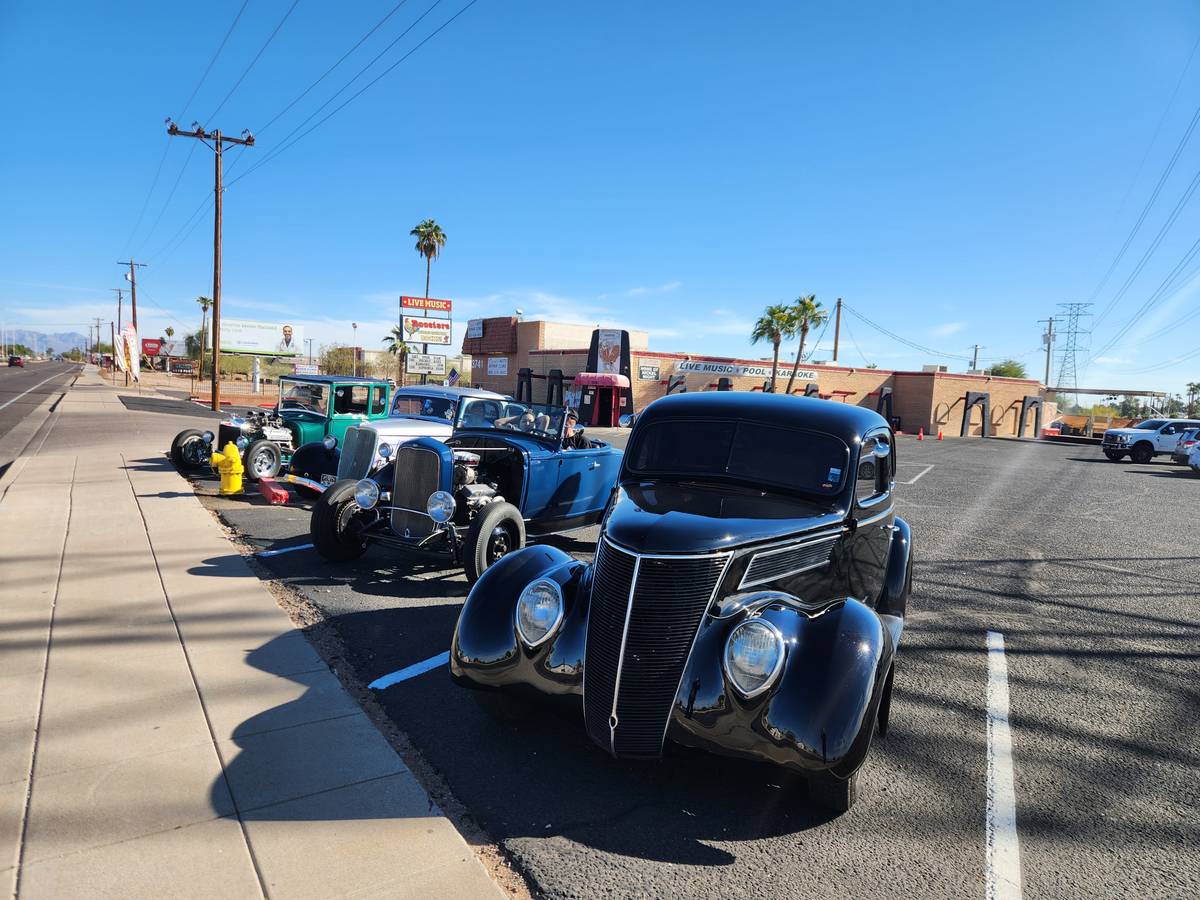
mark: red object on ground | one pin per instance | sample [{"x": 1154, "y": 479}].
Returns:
[
  {"x": 272, "y": 491},
  {"x": 921, "y": 433},
  {"x": 939, "y": 434},
  {"x": 1051, "y": 432}
]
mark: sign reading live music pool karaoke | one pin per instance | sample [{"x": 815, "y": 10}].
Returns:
[
  {"x": 419, "y": 330},
  {"x": 427, "y": 304},
  {"x": 735, "y": 369}
]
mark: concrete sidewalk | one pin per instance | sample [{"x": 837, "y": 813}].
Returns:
[{"x": 164, "y": 730}]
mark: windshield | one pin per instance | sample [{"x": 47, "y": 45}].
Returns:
[
  {"x": 1150, "y": 425},
  {"x": 303, "y": 395},
  {"x": 760, "y": 454},
  {"x": 422, "y": 405},
  {"x": 506, "y": 415}
]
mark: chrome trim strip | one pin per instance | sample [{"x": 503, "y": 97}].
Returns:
[
  {"x": 876, "y": 517},
  {"x": 617, "y": 546},
  {"x": 612, "y": 718},
  {"x": 785, "y": 549}
]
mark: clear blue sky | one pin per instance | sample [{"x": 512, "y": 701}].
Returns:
[{"x": 952, "y": 170}]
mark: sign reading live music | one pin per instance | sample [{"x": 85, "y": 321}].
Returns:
[{"x": 427, "y": 304}]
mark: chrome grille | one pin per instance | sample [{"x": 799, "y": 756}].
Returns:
[
  {"x": 643, "y": 620},
  {"x": 358, "y": 453},
  {"x": 770, "y": 565},
  {"x": 418, "y": 474}
]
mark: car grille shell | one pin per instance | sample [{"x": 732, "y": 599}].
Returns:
[
  {"x": 417, "y": 475},
  {"x": 358, "y": 453},
  {"x": 644, "y": 616}
]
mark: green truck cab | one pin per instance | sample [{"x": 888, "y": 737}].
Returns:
[{"x": 311, "y": 408}]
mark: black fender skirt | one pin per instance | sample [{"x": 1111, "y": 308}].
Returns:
[{"x": 313, "y": 460}]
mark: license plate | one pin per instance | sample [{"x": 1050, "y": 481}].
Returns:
[{"x": 328, "y": 479}]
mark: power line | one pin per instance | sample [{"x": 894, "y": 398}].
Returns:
[
  {"x": 260, "y": 52},
  {"x": 359, "y": 92},
  {"x": 186, "y": 106},
  {"x": 904, "y": 341}
]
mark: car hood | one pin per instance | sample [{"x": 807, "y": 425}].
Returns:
[
  {"x": 670, "y": 517},
  {"x": 1130, "y": 432},
  {"x": 409, "y": 427}
]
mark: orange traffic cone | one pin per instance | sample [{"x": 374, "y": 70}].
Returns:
[
  {"x": 939, "y": 434},
  {"x": 920, "y": 434}
]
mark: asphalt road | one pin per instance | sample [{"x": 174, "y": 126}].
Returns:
[
  {"x": 22, "y": 389},
  {"x": 1088, "y": 569}
]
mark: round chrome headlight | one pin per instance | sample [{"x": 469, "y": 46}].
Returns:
[
  {"x": 242, "y": 442},
  {"x": 385, "y": 451},
  {"x": 440, "y": 506},
  {"x": 208, "y": 437},
  {"x": 539, "y": 611},
  {"x": 753, "y": 656},
  {"x": 330, "y": 442},
  {"x": 366, "y": 494}
]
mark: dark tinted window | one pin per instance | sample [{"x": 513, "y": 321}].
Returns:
[{"x": 749, "y": 451}]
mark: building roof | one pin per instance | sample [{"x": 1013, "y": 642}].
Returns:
[{"x": 843, "y": 420}]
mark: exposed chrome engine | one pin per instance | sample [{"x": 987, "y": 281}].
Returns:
[{"x": 470, "y": 494}]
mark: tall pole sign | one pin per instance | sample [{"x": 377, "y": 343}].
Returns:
[{"x": 428, "y": 320}]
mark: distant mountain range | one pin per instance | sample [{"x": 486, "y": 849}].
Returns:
[{"x": 36, "y": 340}]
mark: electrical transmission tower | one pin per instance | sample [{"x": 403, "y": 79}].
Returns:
[{"x": 1067, "y": 375}]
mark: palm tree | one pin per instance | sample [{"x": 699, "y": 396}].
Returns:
[
  {"x": 1193, "y": 390},
  {"x": 394, "y": 344},
  {"x": 776, "y": 323},
  {"x": 430, "y": 241},
  {"x": 807, "y": 313}
]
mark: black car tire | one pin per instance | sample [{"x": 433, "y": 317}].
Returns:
[
  {"x": 179, "y": 455},
  {"x": 1142, "y": 453},
  {"x": 832, "y": 793},
  {"x": 1114, "y": 455},
  {"x": 264, "y": 449},
  {"x": 498, "y": 530},
  {"x": 331, "y": 515},
  {"x": 504, "y": 707}
]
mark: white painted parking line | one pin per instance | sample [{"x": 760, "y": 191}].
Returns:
[
  {"x": 1003, "y": 849},
  {"x": 925, "y": 471},
  {"x": 386, "y": 681},
  {"x": 38, "y": 385},
  {"x": 283, "y": 550}
]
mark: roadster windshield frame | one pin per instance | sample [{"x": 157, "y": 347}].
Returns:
[
  {"x": 743, "y": 451},
  {"x": 317, "y": 400},
  {"x": 504, "y": 416}
]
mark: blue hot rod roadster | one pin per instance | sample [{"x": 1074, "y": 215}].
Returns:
[
  {"x": 508, "y": 470},
  {"x": 747, "y": 598}
]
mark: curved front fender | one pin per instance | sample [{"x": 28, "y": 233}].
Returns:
[
  {"x": 486, "y": 651},
  {"x": 314, "y": 460},
  {"x": 818, "y": 711}
]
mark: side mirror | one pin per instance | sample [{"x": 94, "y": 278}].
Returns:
[
  {"x": 1170, "y": 429},
  {"x": 626, "y": 421}
]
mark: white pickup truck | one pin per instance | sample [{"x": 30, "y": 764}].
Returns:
[{"x": 1146, "y": 440}]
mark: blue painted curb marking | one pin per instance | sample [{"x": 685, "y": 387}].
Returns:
[
  {"x": 386, "y": 681},
  {"x": 284, "y": 550}
]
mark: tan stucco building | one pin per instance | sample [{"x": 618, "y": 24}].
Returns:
[{"x": 931, "y": 401}]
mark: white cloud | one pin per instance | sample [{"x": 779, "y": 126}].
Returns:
[
  {"x": 948, "y": 328},
  {"x": 1114, "y": 360},
  {"x": 661, "y": 289}
]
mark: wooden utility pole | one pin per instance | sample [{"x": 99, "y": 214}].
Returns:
[
  {"x": 113, "y": 329},
  {"x": 132, "y": 278},
  {"x": 1048, "y": 337},
  {"x": 837, "y": 328},
  {"x": 218, "y": 144},
  {"x": 119, "y": 326},
  {"x": 975, "y": 348}
]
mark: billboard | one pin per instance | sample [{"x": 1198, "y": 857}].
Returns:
[
  {"x": 425, "y": 364},
  {"x": 151, "y": 346},
  {"x": 426, "y": 331},
  {"x": 261, "y": 338},
  {"x": 428, "y": 304}
]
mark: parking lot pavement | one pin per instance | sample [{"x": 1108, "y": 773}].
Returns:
[{"x": 1083, "y": 568}]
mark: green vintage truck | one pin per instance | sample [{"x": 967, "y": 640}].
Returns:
[{"x": 310, "y": 408}]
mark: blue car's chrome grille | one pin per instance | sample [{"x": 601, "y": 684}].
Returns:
[
  {"x": 358, "y": 453},
  {"x": 418, "y": 474},
  {"x": 644, "y": 615}
]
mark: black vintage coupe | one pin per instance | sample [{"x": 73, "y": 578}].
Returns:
[{"x": 747, "y": 597}]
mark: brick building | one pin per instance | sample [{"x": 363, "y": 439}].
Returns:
[{"x": 501, "y": 347}]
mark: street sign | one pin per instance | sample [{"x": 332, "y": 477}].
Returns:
[
  {"x": 151, "y": 346},
  {"x": 426, "y": 364},
  {"x": 427, "y": 304},
  {"x": 427, "y": 331},
  {"x": 305, "y": 369}
]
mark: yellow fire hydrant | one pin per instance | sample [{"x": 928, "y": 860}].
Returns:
[{"x": 228, "y": 463}]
